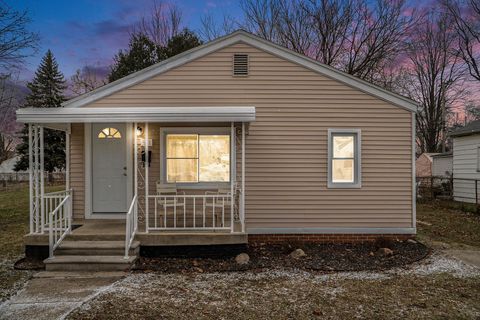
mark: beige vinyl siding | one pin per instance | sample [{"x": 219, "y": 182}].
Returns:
[
  {"x": 286, "y": 156},
  {"x": 77, "y": 170}
]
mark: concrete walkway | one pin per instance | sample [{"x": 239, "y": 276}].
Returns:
[
  {"x": 53, "y": 295},
  {"x": 471, "y": 257}
]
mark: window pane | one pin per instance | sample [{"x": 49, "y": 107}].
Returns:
[
  {"x": 182, "y": 146},
  {"x": 343, "y": 146},
  {"x": 182, "y": 170},
  {"x": 215, "y": 158},
  {"x": 109, "y": 133},
  {"x": 342, "y": 171}
]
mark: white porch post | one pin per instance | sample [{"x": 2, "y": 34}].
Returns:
[
  {"x": 35, "y": 177},
  {"x": 232, "y": 174},
  {"x": 42, "y": 180},
  {"x": 30, "y": 174},
  {"x": 135, "y": 168},
  {"x": 67, "y": 159},
  {"x": 242, "y": 202},
  {"x": 146, "y": 177}
]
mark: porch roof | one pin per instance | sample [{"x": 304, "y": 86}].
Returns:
[{"x": 137, "y": 114}]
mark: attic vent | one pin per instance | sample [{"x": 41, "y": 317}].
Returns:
[{"x": 240, "y": 64}]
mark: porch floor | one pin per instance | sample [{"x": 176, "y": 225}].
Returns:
[{"x": 114, "y": 230}]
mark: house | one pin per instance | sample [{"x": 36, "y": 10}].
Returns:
[
  {"x": 442, "y": 165},
  {"x": 434, "y": 164},
  {"x": 238, "y": 140},
  {"x": 423, "y": 165},
  {"x": 466, "y": 163},
  {"x": 7, "y": 174}
]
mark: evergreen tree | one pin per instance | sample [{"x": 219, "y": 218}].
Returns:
[
  {"x": 142, "y": 52},
  {"x": 181, "y": 42},
  {"x": 46, "y": 91}
]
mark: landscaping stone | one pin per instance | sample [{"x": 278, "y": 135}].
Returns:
[
  {"x": 385, "y": 251},
  {"x": 411, "y": 241},
  {"x": 242, "y": 259},
  {"x": 297, "y": 254}
]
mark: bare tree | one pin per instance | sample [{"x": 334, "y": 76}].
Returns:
[
  {"x": 9, "y": 102},
  {"x": 262, "y": 17},
  {"x": 86, "y": 80},
  {"x": 210, "y": 29},
  {"x": 16, "y": 41},
  {"x": 437, "y": 76},
  {"x": 163, "y": 22},
  {"x": 466, "y": 17},
  {"x": 329, "y": 21},
  {"x": 376, "y": 36},
  {"x": 358, "y": 37}
]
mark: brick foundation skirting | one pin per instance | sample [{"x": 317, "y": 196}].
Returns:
[{"x": 324, "y": 238}]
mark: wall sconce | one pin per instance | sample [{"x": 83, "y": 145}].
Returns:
[{"x": 139, "y": 131}]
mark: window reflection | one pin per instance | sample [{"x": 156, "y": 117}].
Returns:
[{"x": 195, "y": 158}]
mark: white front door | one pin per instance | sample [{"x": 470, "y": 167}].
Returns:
[{"x": 109, "y": 168}]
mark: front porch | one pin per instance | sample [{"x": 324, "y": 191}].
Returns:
[
  {"x": 171, "y": 194},
  {"x": 114, "y": 230}
]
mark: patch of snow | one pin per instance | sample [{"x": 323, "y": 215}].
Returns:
[{"x": 439, "y": 263}]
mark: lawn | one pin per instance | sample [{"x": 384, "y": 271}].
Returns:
[
  {"x": 441, "y": 288},
  {"x": 14, "y": 224},
  {"x": 286, "y": 295},
  {"x": 456, "y": 228}
]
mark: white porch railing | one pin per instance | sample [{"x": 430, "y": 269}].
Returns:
[
  {"x": 191, "y": 212},
  {"x": 59, "y": 221},
  {"x": 50, "y": 202},
  {"x": 131, "y": 225}
]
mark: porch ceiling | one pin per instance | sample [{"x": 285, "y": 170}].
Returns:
[{"x": 137, "y": 114}]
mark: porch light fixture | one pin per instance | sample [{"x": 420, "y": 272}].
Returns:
[{"x": 139, "y": 132}]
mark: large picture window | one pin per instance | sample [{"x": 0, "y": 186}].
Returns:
[
  {"x": 344, "y": 158},
  {"x": 193, "y": 158}
]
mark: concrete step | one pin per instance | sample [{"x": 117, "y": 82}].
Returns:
[
  {"x": 96, "y": 248},
  {"x": 89, "y": 263}
]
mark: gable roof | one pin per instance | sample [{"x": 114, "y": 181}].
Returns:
[
  {"x": 471, "y": 128},
  {"x": 254, "y": 41}
]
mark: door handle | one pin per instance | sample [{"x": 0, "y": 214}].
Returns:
[{"x": 125, "y": 174}]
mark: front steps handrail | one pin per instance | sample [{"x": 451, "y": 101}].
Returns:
[
  {"x": 59, "y": 223},
  {"x": 131, "y": 225}
]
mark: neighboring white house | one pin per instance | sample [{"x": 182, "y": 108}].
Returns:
[
  {"x": 442, "y": 164},
  {"x": 8, "y": 165},
  {"x": 8, "y": 174},
  {"x": 466, "y": 162},
  {"x": 434, "y": 164}
]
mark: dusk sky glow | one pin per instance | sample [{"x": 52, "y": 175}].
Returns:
[{"x": 90, "y": 32}]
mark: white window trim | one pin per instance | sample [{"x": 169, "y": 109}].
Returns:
[
  {"x": 357, "y": 162},
  {"x": 192, "y": 130}
]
